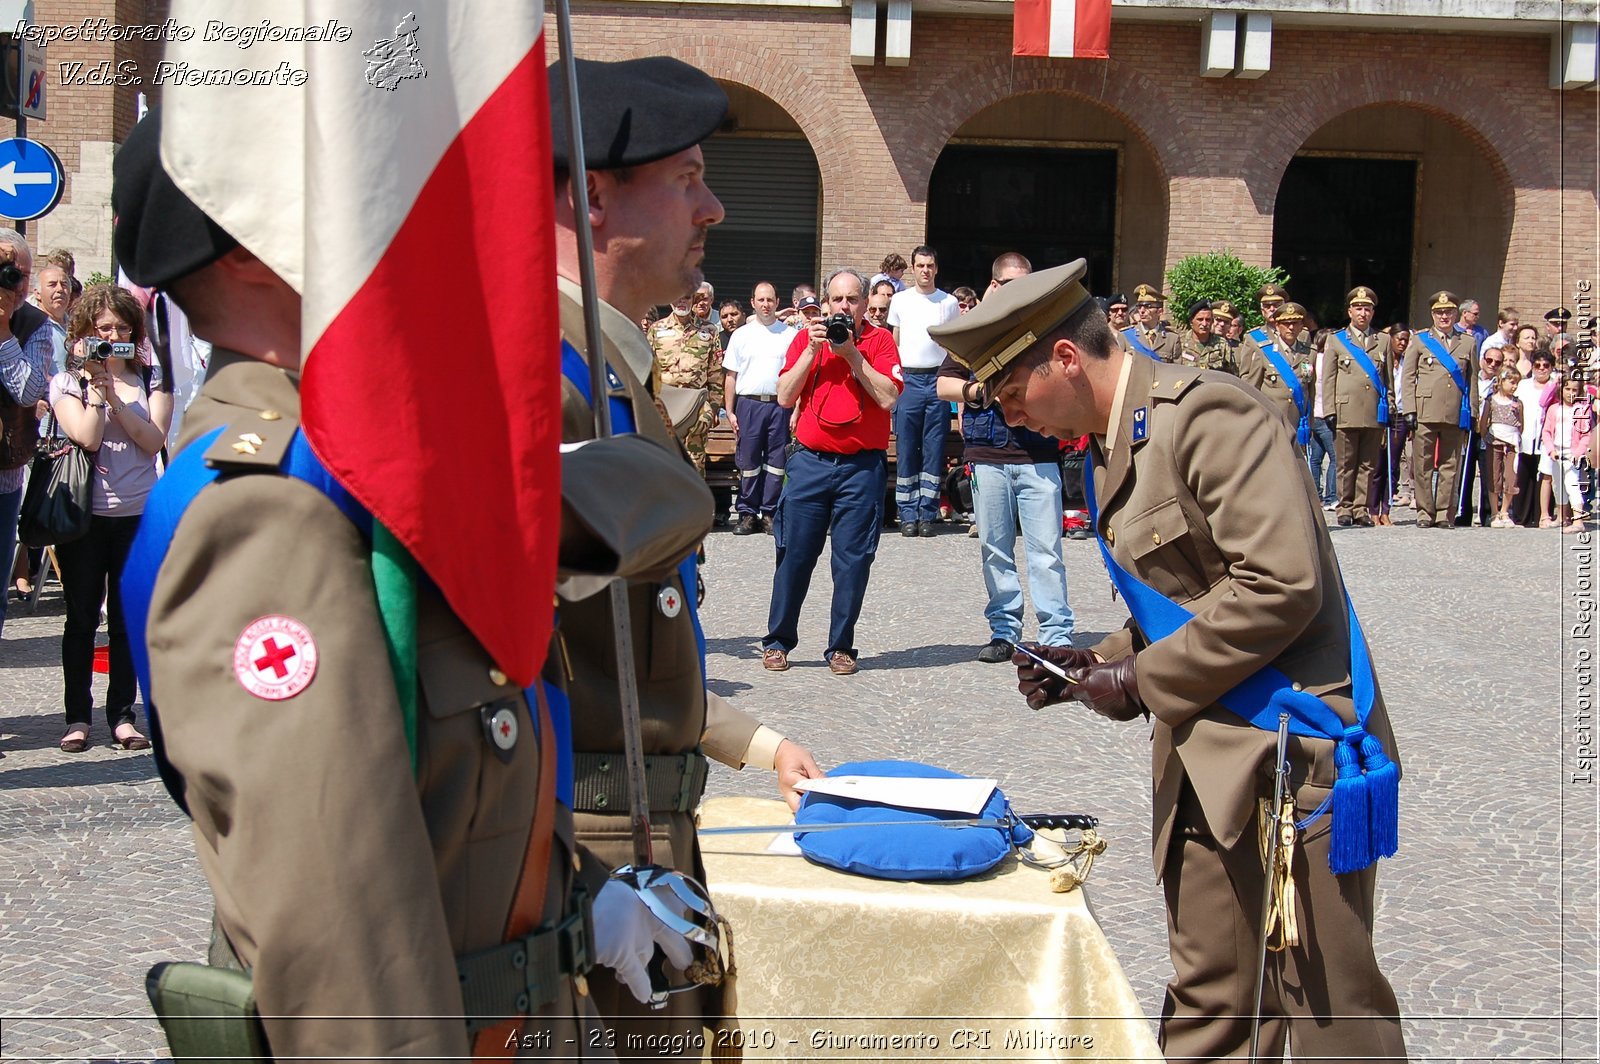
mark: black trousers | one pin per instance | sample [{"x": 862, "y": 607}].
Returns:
[
  {"x": 1475, "y": 493},
  {"x": 1525, "y": 510},
  {"x": 91, "y": 570}
]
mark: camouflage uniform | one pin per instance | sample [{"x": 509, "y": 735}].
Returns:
[
  {"x": 1216, "y": 353},
  {"x": 689, "y": 355}
]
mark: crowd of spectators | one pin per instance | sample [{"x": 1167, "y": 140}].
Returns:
[{"x": 1527, "y": 457}]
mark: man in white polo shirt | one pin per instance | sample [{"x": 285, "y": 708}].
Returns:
[
  {"x": 761, "y": 427},
  {"x": 921, "y": 418}
]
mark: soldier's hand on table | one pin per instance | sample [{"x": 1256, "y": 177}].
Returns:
[
  {"x": 1111, "y": 688},
  {"x": 1040, "y": 687},
  {"x": 626, "y": 935},
  {"x": 793, "y": 763}
]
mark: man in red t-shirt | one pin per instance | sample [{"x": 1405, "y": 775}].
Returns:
[{"x": 844, "y": 392}]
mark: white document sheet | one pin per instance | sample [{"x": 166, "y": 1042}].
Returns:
[{"x": 965, "y": 796}]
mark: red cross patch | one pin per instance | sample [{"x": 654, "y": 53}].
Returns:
[{"x": 275, "y": 657}]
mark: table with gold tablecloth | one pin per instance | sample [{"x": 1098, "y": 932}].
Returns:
[{"x": 838, "y": 966}]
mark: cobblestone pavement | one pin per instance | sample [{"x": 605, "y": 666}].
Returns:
[{"x": 1486, "y": 919}]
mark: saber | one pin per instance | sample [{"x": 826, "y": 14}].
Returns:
[
  {"x": 1049, "y": 666},
  {"x": 1280, "y": 777},
  {"x": 1074, "y": 821},
  {"x": 600, "y": 392}
]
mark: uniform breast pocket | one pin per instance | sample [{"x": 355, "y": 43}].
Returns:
[
  {"x": 1163, "y": 552},
  {"x": 671, "y": 647}
]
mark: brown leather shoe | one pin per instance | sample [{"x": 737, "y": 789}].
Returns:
[
  {"x": 774, "y": 659},
  {"x": 842, "y": 664}
]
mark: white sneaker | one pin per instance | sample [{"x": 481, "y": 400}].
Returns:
[{"x": 1330, "y": 507}]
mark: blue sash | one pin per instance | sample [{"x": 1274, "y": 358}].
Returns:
[
  {"x": 1302, "y": 432},
  {"x": 1448, "y": 361},
  {"x": 1356, "y": 352},
  {"x": 164, "y": 508},
  {"x": 1366, "y": 796},
  {"x": 1132, "y": 333},
  {"x": 576, "y": 370}
]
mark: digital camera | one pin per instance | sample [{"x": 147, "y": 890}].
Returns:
[
  {"x": 841, "y": 327},
  {"x": 100, "y": 350},
  {"x": 10, "y": 276}
]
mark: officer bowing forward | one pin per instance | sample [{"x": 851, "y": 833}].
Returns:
[{"x": 1211, "y": 532}]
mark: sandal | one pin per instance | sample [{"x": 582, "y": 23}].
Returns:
[
  {"x": 133, "y": 741},
  {"x": 75, "y": 742},
  {"x": 1549, "y": 522}
]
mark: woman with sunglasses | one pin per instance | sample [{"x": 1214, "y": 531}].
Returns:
[
  {"x": 109, "y": 402},
  {"x": 1531, "y": 509}
]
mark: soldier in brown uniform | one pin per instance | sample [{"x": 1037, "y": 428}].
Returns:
[
  {"x": 1284, "y": 369},
  {"x": 367, "y": 895},
  {"x": 1357, "y": 396},
  {"x": 1441, "y": 401},
  {"x": 688, "y": 354},
  {"x": 1203, "y": 502},
  {"x": 1225, "y": 322},
  {"x": 1149, "y": 335},
  {"x": 647, "y": 116},
  {"x": 1200, "y": 346}
]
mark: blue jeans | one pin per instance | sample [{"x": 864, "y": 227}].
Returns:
[
  {"x": 1320, "y": 447},
  {"x": 1000, "y": 495},
  {"x": 837, "y": 495},
  {"x": 921, "y": 420},
  {"x": 10, "y": 505}
]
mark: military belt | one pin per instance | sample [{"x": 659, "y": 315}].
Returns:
[
  {"x": 765, "y": 398},
  {"x": 674, "y": 782},
  {"x": 520, "y": 977}
]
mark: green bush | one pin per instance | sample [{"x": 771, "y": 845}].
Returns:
[
  {"x": 1219, "y": 275},
  {"x": 99, "y": 278}
]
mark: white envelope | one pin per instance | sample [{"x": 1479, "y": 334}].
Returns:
[{"x": 965, "y": 796}]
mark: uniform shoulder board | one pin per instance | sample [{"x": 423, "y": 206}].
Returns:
[
  {"x": 253, "y": 443},
  {"x": 1172, "y": 380}
]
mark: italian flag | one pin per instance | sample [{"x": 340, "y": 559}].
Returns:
[
  {"x": 1062, "y": 29},
  {"x": 398, "y": 175}
]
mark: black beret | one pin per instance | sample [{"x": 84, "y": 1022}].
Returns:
[
  {"x": 1197, "y": 306},
  {"x": 1116, "y": 299},
  {"x": 159, "y": 234},
  {"x": 635, "y": 111}
]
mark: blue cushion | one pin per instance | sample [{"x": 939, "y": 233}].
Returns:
[{"x": 917, "y": 851}]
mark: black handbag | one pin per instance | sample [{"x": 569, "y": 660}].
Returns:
[{"x": 57, "y": 506}]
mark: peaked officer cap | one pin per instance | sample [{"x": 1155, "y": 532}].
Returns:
[
  {"x": 1443, "y": 301},
  {"x": 1558, "y": 314},
  {"x": 1290, "y": 312},
  {"x": 1221, "y": 308},
  {"x": 1148, "y": 294},
  {"x": 1361, "y": 294},
  {"x": 1272, "y": 293},
  {"x": 1014, "y": 318},
  {"x": 159, "y": 235},
  {"x": 636, "y": 111}
]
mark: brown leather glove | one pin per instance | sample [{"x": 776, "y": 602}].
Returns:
[
  {"x": 1039, "y": 687},
  {"x": 1110, "y": 689}
]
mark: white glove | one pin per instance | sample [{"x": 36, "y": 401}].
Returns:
[{"x": 625, "y": 937}]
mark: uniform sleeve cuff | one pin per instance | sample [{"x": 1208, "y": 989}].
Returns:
[{"x": 763, "y": 749}]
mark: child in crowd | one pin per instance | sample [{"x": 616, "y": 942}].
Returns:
[
  {"x": 1568, "y": 426},
  {"x": 1501, "y": 427}
]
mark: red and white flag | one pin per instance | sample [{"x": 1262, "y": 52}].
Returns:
[
  {"x": 396, "y": 170},
  {"x": 1062, "y": 29}
]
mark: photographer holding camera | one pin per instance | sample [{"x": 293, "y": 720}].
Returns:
[
  {"x": 843, "y": 374},
  {"x": 109, "y": 402}
]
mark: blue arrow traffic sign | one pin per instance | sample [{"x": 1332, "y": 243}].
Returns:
[{"x": 30, "y": 179}]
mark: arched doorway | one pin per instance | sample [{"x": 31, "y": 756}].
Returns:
[
  {"x": 1400, "y": 198},
  {"x": 1055, "y": 177},
  {"x": 765, "y": 173}
]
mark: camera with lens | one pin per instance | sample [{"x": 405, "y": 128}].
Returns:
[
  {"x": 841, "y": 328},
  {"x": 100, "y": 350},
  {"x": 10, "y": 276}
]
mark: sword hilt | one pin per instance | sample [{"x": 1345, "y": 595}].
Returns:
[{"x": 1067, "y": 821}]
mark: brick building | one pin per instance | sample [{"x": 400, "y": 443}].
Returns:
[
  {"x": 86, "y": 119},
  {"x": 1397, "y": 148}
]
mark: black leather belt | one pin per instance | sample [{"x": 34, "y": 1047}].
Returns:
[
  {"x": 674, "y": 782},
  {"x": 520, "y": 977},
  {"x": 760, "y": 398}
]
